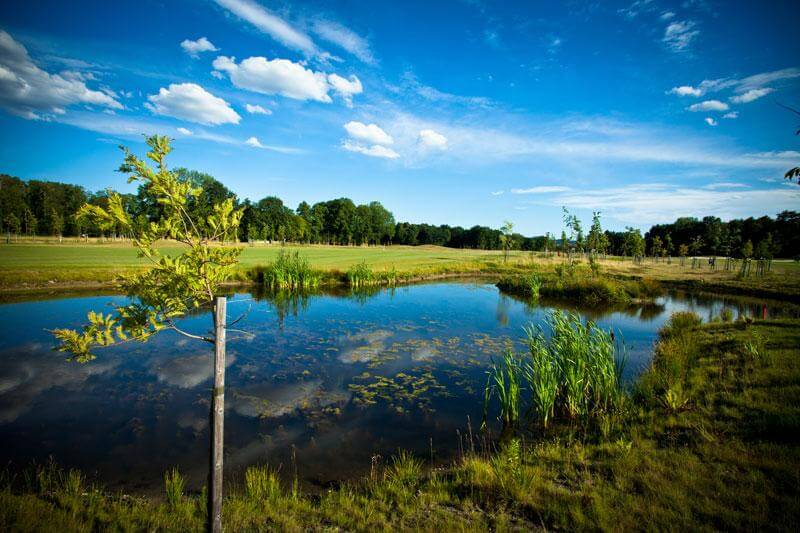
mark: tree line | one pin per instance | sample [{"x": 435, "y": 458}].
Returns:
[{"x": 37, "y": 207}]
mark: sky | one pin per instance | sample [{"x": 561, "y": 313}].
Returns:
[{"x": 463, "y": 112}]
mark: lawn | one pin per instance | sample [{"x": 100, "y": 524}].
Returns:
[{"x": 26, "y": 266}]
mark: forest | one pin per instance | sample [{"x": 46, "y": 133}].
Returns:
[{"x": 49, "y": 208}]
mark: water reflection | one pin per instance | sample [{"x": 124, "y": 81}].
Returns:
[{"x": 338, "y": 376}]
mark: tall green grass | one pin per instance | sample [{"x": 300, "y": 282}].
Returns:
[
  {"x": 504, "y": 381},
  {"x": 261, "y": 483},
  {"x": 579, "y": 288},
  {"x": 361, "y": 275},
  {"x": 575, "y": 372},
  {"x": 290, "y": 271}
]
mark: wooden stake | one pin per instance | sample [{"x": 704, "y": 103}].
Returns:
[{"x": 218, "y": 418}]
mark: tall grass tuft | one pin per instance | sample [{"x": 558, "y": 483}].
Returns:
[
  {"x": 261, "y": 484},
  {"x": 361, "y": 275},
  {"x": 405, "y": 471},
  {"x": 575, "y": 373},
  {"x": 291, "y": 271},
  {"x": 504, "y": 381},
  {"x": 174, "y": 486}
]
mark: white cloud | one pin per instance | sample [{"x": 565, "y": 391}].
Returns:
[
  {"x": 257, "y": 110},
  {"x": 30, "y": 92},
  {"x": 410, "y": 82},
  {"x": 732, "y": 114},
  {"x": 375, "y": 150},
  {"x": 345, "y": 38},
  {"x": 685, "y": 90},
  {"x": 345, "y": 87},
  {"x": 542, "y": 189},
  {"x": 645, "y": 204},
  {"x": 710, "y": 121},
  {"x": 370, "y": 133},
  {"x": 497, "y": 193},
  {"x": 557, "y": 142},
  {"x": 739, "y": 86},
  {"x": 726, "y": 185},
  {"x": 757, "y": 81},
  {"x": 709, "y": 105},
  {"x": 678, "y": 36},
  {"x": 752, "y": 94},
  {"x": 271, "y": 24},
  {"x": 431, "y": 139},
  {"x": 276, "y": 76},
  {"x": 189, "y": 101},
  {"x": 184, "y": 131},
  {"x": 667, "y": 15},
  {"x": 254, "y": 142},
  {"x": 193, "y": 48}
]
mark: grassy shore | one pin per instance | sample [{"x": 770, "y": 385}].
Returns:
[
  {"x": 52, "y": 266},
  {"x": 708, "y": 440}
]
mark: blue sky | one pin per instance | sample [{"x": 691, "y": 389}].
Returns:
[{"x": 465, "y": 112}]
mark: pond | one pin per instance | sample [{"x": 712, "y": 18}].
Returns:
[{"x": 321, "y": 384}]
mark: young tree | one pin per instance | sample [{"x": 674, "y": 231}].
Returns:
[
  {"x": 747, "y": 249},
  {"x": 172, "y": 286},
  {"x": 633, "y": 244},
  {"x": 597, "y": 240},
  {"x": 506, "y": 230}
]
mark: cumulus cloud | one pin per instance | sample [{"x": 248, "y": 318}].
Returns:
[
  {"x": 346, "y": 87},
  {"x": 686, "y": 90},
  {"x": 255, "y": 109},
  {"x": 542, "y": 189},
  {"x": 710, "y": 121},
  {"x": 732, "y": 114},
  {"x": 184, "y": 131},
  {"x": 30, "y": 92},
  {"x": 276, "y": 76},
  {"x": 497, "y": 193},
  {"x": 254, "y": 142},
  {"x": 271, "y": 24},
  {"x": 431, "y": 139},
  {"x": 345, "y": 38},
  {"x": 194, "y": 48},
  {"x": 375, "y": 150},
  {"x": 189, "y": 101},
  {"x": 752, "y": 94},
  {"x": 709, "y": 105},
  {"x": 679, "y": 35},
  {"x": 370, "y": 133}
]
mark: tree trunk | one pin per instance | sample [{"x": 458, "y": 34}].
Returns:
[{"x": 217, "y": 419}]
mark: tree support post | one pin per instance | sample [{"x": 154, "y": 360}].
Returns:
[{"x": 218, "y": 418}]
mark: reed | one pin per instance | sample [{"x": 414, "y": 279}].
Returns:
[
  {"x": 261, "y": 483},
  {"x": 174, "y": 486},
  {"x": 291, "y": 271},
  {"x": 361, "y": 275},
  {"x": 575, "y": 372},
  {"x": 504, "y": 381}
]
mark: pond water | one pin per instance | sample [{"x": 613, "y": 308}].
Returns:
[{"x": 333, "y": 380}]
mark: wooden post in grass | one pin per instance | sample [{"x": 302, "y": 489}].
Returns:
[{"x": 218, "y": 419}]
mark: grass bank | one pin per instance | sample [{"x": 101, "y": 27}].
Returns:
[
  {"x": 27, "y": 267},
  {"x": 707, "y": 439}
]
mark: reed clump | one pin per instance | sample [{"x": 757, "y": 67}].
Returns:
[
  {"x": 580, "y": 288},
  {"x": 290, "y": 271},
  {"x": 574, "y": 373}
]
